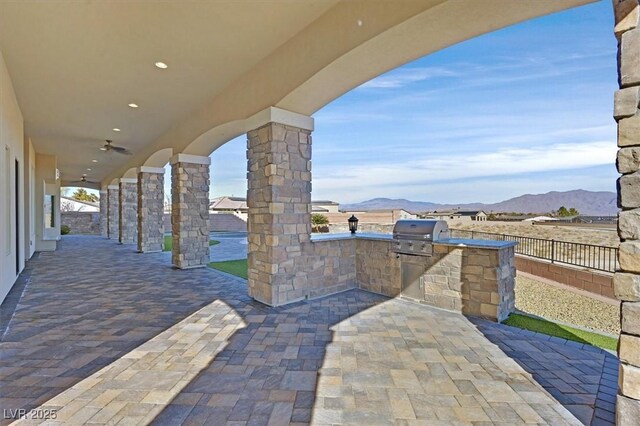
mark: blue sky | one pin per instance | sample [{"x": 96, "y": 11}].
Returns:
[{"x": 527, "y": 109}]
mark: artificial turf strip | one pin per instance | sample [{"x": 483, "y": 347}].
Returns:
[
  {"x": 168, "y": 243},
  {"x": 562, "y": 331},
  {"x": 233, "y": 267}
]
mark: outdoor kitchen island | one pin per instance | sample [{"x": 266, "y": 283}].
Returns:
[{"x": 474, "y": 277}]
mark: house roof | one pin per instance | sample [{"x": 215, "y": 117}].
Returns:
[
  {"x": 228, "y": 203},
  {"x": 88, "y": 203},
  {"x": 455, "y": 212},
  {"x": 443, "y": 213},
  {"x": 328, "y": 202}
]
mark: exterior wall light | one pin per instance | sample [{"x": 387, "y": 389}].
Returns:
[{"x": 353, "y": 224}]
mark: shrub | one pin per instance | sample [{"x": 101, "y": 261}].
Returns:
[
  {"x": 64, "y": 229},
  {"x": 319, "y": 223}
]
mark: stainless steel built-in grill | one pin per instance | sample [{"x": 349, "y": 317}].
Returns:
[{"x": 416, "y": 236}]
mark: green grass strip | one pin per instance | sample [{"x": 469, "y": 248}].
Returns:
[
  {"x": 168, "y": 243},
  {"x": 233, "y": 267},
  {"x": 562, "y": 331}
]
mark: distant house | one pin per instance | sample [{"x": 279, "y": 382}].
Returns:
[
  {"x": 325, "y": 206},
  {"x": 396, "y": 214},
  {"x": 228, "y": 205},
  {"x": 602, "y": 220},
  {"x": 379, "y": 216},
  {"x": 511, "y": 217},
  {"x": 457, "y": 215},
  {"x": 68, "y": 204},
  {"x": 238, "y": 206}
]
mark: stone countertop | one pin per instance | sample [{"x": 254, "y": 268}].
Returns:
[
  {"x": 459, "y": 242},
  {"x": 349, "y": 236},
  {"x": 467, "y": 242}
]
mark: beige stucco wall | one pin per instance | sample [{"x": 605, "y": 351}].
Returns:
[
  {"x": 46, "y": 183},
  {"x": 11, "y": 149}
]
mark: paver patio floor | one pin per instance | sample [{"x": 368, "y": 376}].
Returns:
[{"x": 107, "y": 336}]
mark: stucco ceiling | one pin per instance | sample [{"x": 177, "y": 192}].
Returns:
[{"x": 76, "y": 65}]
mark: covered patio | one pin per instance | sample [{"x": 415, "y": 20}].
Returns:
[
  {"x": 126, "y": 339},
  {"x": 108, "y": 330}
]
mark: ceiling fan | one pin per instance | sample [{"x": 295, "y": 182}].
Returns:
[
  {"x": 83, "y": 179},
  {"x": 108, "y": 147}
]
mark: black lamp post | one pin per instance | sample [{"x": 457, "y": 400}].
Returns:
[{"x": 353, "y": 224}]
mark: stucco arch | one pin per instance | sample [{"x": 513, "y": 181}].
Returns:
[
  {"x": 213, "y": 139},
  {"x": 159, "y": 158},
  {"x": 350, "y": 44},
  {"x": 131, "y": 173}
]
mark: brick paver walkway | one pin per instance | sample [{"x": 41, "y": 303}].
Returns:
[{"x": 107, "y": 336}]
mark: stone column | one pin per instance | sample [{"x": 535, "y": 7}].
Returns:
[
  {"x": 128, "y": 213},
  {"x": 113, "y": 211},
  {"x": 150, "y": 209},
  {"x": 279, "y": 201},
  {"x": 104, "y": 213},
  {"x": 190, "y": 210},
  {"x": 627, "y": 281}
]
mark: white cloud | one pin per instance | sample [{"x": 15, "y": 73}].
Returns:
[
  {"x": 405, "y": 76},
  {"x": 484, "y": 190},
  {"x": 384, "y": 177}
]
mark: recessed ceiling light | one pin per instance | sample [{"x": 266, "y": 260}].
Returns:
[
  {"x": 359, "y": 22},
  {"x": 88, "y": 169},
  {"x": 161, "y": 65},
  {"x": 132, "y": 105},
  {"x": 115, "y": 129},
  {"x": 94, "y": 161}
]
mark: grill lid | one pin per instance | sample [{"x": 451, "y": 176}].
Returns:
[{"x": 420, "y": 229}]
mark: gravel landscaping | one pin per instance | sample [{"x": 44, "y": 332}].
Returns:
[
  {"x": 599, "y": 237},
  {"x": 557, "y": 304}
]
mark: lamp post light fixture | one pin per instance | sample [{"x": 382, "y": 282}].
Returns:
[{"x": 353, "y": 224}]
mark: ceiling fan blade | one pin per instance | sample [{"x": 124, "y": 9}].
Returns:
[{"x": 120, "y": 150}]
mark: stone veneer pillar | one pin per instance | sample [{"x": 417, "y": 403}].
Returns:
[
  {"x": 190, "y": 210},
  {"x": 626, "y": 282},
  {"x": 128, "y": 213},
  {"x": 150, "y": 209},
  {"x": 113, "y": 211},
  {"x": 279, "y": 202},
  {"x": 104, "y": 213}
]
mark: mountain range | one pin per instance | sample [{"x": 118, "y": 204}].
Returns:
[{"x": 601, "y": 203}]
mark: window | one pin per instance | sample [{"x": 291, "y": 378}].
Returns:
[{"x": 49, "y": 211}]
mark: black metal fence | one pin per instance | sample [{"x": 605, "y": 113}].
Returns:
[{"x": 601, "y": 258}]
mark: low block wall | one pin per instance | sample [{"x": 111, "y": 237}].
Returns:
[
  {"x": 82, "y": 222},
  {"x": 594, "y": 282},
  {"x": 217, "y": 222}
]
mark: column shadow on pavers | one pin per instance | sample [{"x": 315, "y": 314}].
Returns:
[
  {"x": 353, "y": 357},
  {"x": 268, "y": 372},
  {"x": 581, "y": 377},
  {"x": 88, "y": 304}
]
